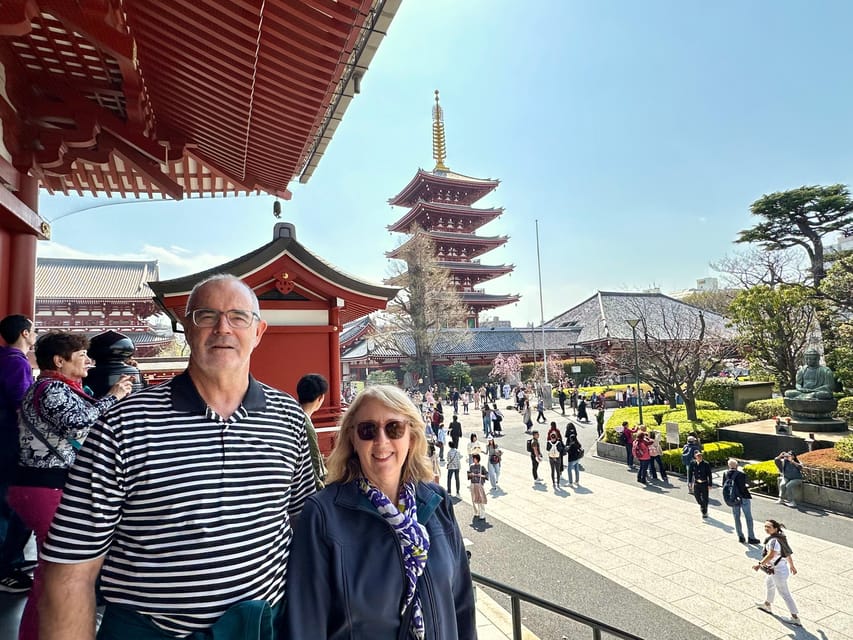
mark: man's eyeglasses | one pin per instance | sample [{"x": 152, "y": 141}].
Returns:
[
  {"x": 236, "y": 318},
  {"x": 394, "y": 429}
]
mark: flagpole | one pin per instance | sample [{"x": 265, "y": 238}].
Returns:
[{"x": 541, "y": 307}]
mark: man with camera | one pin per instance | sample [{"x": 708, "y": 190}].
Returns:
[{"x": 790, "y": 477}]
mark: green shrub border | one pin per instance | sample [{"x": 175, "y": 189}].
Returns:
[{"x": 716, "y": 453}]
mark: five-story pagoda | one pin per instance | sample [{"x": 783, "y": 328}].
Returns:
[{"x": 440, "y": 205}]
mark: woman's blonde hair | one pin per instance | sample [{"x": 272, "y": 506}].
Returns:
[{"x": 343, "y": 464}]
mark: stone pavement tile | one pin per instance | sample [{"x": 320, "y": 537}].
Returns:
[
  {"x": 587, "y": 553},
  {"x": 718, "y": 574},
  {"x": 722, "y": 635},
  {"x": 654, "y": 565},
  {"x": 667, "y": 590},
  {"x": 776, "y": 622},
  {"x": 704, "y": 609},
  {"x": 603, "y": 540},
  {"x": 812, "y": 609},
  {"x": 840, "y": 556},
  {"x": 825, "y": 595},
  {"x": 839, "y": 623}
]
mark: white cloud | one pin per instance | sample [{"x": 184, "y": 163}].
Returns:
[{"x": 174, "y": 261}]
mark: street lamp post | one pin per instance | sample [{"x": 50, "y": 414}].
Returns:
[{"x": 633, "y": 324}]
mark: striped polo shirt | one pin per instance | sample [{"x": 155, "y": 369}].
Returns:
[{"x": 191, "y": 511}]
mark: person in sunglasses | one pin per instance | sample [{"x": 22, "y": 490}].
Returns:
[{"x": 378, "y": 553}]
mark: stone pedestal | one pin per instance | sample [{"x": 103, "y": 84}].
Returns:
[{"x": 814, "y": 415}]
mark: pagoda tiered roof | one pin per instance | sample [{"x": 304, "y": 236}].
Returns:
[
  {"x": 428, "y": 214},
  {"x": 481, "y": 301},
  {"x": 473, "y": 245},
  {"x": 443, "y": 186}
]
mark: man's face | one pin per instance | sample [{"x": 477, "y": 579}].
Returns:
[
  {"x": 30, "y": 336},
  {"x": 222, "y": 347}
]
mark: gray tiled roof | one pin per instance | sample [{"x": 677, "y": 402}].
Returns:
[
  {"x": 70, "y": 278},
  {"x": 353, "y": 328},
  {"x": 605, "y": 314},
  {"x": 482, "y": 341}
]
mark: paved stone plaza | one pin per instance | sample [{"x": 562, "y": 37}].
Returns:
[{"x": 694, "y": 569}]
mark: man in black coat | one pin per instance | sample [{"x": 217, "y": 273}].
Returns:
[
  {"x": 455, "y": 430},
  {"x": 699, "y": 474}
]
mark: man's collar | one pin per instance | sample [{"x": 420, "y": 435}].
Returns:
[{"x": 186, "y": 398}]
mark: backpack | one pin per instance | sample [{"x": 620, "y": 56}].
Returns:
[
  {"x": 687, "y": 454},
  {"x": 530, "y": 446},
  {"x": 623, "y": 439},
  {"x": 731, "y": 495}
]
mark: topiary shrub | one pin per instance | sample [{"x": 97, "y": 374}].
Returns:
[
  {"x": 844, "y": 449},
  {"x": 713, "y": 417},
  {"x": 845, "y": 409},
  {"x": 716, "y": 453},
  {"x": 766, "y": 409},
  {"x": 720, "y": 391},
  {"x": 765, "y": 473}
]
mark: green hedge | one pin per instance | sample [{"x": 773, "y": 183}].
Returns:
[
  {"x": 717, "y": 417},
  {"x": 763, "y": 472},
  {"x": 845, "y": 409},
  {"x": 716, "y": 453},
  {"x": 720, "y": 391},
  {"x": 844, "y": 447},
  {"x": 766, "y": 409}
]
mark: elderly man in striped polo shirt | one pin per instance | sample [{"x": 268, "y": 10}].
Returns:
[{"x": 183, "y": 495}]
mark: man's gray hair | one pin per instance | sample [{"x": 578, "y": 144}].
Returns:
[
  {"x": 732, "y": 463},
  {"x": 226, "y": 277}
]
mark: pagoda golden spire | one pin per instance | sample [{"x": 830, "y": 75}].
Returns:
[{"x": 439, "y": 147}]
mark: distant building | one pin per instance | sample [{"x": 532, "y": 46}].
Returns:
[
  {"x": 92, "y": 296},
  {"x": 703, "y": 285}
]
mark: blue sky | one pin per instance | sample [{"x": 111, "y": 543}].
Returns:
[{"x": 637, "y": 133}]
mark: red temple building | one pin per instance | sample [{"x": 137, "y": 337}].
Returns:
[
  {"x": 440, "y": 204},
  {"x": 92, "y": 296}
]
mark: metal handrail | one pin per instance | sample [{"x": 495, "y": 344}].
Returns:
[{"x": 517, "y": 596}]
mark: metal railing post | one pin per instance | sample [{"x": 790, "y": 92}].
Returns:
[{"x": 515, "y": 603}]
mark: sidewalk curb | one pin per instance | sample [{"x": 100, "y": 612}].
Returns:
[{"x": 498, "y": 616}]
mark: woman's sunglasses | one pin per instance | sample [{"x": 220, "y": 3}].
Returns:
[{"x": 394, "y": 429}]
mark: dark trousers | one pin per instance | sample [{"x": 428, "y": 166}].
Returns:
[
  {"x": 450, "y": 474},
  {"x": 541, "y": 417},
  {"x": 644, "y": 469},
  {"x": 440, "y": 446},
  {"x": 563, "y": 406},
  {"x": 556, "y": 471},
  {"x": 454, "y": 442},
  {"x": 700, "y": 492},
  {"x": 630, "y": 452},
  {"x": 659, "y": 461},
  {"x": 535, "y": 465},
  {"x": 15, "y": 535}
]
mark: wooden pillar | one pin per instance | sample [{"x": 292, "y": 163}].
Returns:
[
  {"x": 335, "y": 360},
  {"x": 18, "y": 259}
]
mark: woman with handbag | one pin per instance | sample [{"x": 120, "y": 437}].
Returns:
[
  {"x": 477, "y": 476},
  {"x": 56, "y": 415},
  {"x": 493, "y": 455},
  {"x": 778, "y": 564}
]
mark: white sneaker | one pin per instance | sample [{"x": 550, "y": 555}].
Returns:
[{"x": 779, "y": 501}]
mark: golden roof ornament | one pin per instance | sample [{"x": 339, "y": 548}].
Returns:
[{"x": 439, "y": 147}]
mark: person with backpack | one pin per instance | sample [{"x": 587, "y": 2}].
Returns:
[
  {"x": 688, "y": 453},
  {"x": 555, "y": 450},
  {"x": 737, "y": 496},
  {"x": 455, "y": 431},
  {"x": 626, "y": 437},
  {"x": 642, "y": 453},
  {"x": 777, "y": 549},
  {"x": 497, "y": 418},
  {"x": 656, "y": 453},
  {"x": 575, "y": 453},
  {"x": 535, "y": 452}
]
